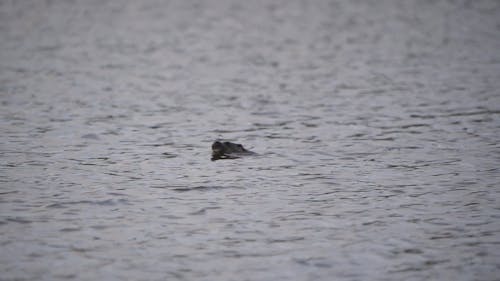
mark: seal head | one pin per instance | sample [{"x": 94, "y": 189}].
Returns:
[{"x": 228, "y": 150}]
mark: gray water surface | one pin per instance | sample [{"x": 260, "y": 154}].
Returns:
[{"x": 377, "y": 125}]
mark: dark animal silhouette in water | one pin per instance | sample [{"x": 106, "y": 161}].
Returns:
[{"x": 228, "y": 150}]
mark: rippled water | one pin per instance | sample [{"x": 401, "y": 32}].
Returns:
[{"x": 377, "y": 125}]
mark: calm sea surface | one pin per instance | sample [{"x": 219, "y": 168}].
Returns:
[{"x": 376, "y": 123}]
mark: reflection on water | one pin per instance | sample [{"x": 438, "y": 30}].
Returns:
[{"x": 376, "y": 127}]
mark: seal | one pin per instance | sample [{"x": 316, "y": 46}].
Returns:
[{"x": 228, "y": 150}]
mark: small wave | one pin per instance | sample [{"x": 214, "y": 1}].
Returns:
[{"x": 200, "y": 188}]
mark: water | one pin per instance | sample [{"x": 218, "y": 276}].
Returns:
[{"x": 377, "y": 126}]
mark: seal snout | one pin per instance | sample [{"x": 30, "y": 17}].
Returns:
[{"x": 217, "y": 147}]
